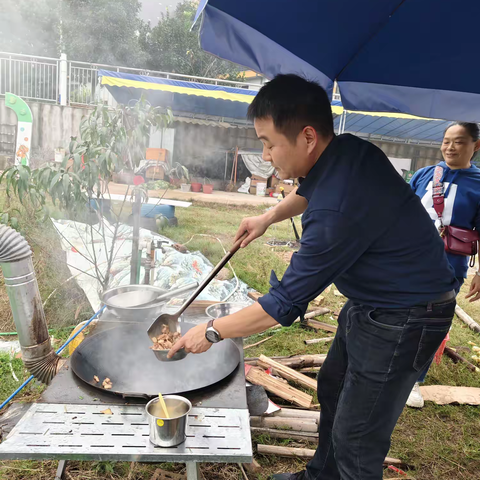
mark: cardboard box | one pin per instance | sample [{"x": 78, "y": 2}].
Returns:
[
  {"x": 255, "y": 179},
  {"x": 159, "y": 154},
  {"x": 252, "y": 190},
  {"x": 155, "y": 173}
]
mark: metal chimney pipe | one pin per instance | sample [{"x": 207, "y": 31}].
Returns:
[{"x": 22, "y": 288}]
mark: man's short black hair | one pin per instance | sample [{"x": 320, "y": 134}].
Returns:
[{"x": 293, "y": 103}]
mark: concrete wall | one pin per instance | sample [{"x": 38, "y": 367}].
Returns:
[
  {"x": 421, "y": 155},
  {"x": 53, "y": 126},
  {"x": 202, "y": 149}
]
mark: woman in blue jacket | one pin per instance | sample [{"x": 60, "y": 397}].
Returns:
[{"x": 461, "y": 182}]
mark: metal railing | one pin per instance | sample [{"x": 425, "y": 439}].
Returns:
[
  {"x": 83, "y": 83},
  {"x": 29, "y": 77},
  {"x": 44, "y": 79}
]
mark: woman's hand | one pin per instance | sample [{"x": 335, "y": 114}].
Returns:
[
  {"x": 193, "y": 341},
  {"x": 474, "y": 293}
]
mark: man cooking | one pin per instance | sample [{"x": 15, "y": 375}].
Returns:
[{"x": 365, "y": 230}]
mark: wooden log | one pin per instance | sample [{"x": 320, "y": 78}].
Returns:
[
  {"x": 318, "y": 340},
  {"x": 294, "y": 364},
  {"x": 296, "y": 424},
  {"x": 309, "y": 315},
  {"x": 253, "y": 468},
  {"x": 308, "y": 453},
  {"x": 280, "y": 402},
  {"x": 467, "y": 319},
  {"x": 257, "y": 343},
  {"x": 298, "y": 413},
  {"x": 258, "y": 377},
  {"x": 309, "y": 370},
  {"x": 317, "y": 312},
  {"x": 243, "y": 471},
  {"x": 458, "y": 358},
  {"x": 160, "y": 474},
  {"x": 253, "y": 359},
  {"x": 321, "y": 326},
  {"x": 285, "y": 451},
  {"x": 254, "y": 295},
  {"x": 199, "y": 307},
  {"x": 286, "y": 434},
  {"x": 394, "y": 461},
  {"x": 290, "y": 374},
  {"x": 302, "y": 361},
  {"x": 295, "y": 361}
]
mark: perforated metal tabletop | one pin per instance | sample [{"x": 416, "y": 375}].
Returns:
[{"x": 83, "y": 432}]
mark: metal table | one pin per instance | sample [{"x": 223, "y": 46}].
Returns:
[{"x": 67, "y": 424}]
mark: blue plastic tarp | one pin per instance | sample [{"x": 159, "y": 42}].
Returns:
[{"x": 180, "y": 96}]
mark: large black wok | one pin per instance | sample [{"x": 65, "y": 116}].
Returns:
[{"x": 123, "y": 355}]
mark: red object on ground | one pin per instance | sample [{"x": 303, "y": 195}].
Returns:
[
  {"x": 138, "y": 180},
  {"x": 208, "y": 188},
  {"x": 196, "y": 187},
  {"x": 441, "y": 348},
  {"x": 397, "y": 470}
]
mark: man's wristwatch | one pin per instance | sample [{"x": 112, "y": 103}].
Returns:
[{"x": 211, "y": 334}]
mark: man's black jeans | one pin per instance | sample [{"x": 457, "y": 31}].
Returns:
[{"x": 373, "y": 363}]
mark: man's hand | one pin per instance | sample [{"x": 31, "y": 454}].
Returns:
[
  {"x": 193, "y": 341},
  {"x": 254, "y": 226},
  {"x": 474, "y": 293}
]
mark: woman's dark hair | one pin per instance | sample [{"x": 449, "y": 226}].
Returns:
[
  {"x": 293, "y": 103},
  {"x": 471, "y": 128}
]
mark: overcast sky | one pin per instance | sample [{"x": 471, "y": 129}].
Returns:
[{"x": 153, "y": 9}]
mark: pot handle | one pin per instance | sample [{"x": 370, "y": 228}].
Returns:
[{"x": 136, "y": 395}]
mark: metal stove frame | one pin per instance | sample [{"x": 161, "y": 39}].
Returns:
[{"x": 78, "y": 430}]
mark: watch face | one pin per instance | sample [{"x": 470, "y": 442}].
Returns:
[{"x": 212, "y": 336}]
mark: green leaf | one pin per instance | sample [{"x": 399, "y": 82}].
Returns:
[
  {"x": 73, "y": 144},
  {"x": 5, "y": 173},
  {"x": 14, "y": 223},
  {"x": 55, "y": 180},
  {"x": 66, "y": 184},
  {"x": 77, "y": 160},
  {"x": 24, "y": 175},
  {"x": 44, "y": 178}
]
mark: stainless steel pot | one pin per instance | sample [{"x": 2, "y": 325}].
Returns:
[
  {"x": 138, "y": 313},
  {"x": 168, "y": 432},
  {"x": 139, "y": 303},
  {"x": 220, "y": 310}
]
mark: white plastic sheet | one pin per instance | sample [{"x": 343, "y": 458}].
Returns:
[
  {"x": 257, "y": 165},
  {"x": 172, "y": 268}
]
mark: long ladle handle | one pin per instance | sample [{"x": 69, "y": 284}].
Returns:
[{"x": 213, "y": 273}]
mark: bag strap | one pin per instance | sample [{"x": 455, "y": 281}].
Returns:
[{"x": 438, "y": 193}]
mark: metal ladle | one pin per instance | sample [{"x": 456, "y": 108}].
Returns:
[{"x": 171, "y": 320}]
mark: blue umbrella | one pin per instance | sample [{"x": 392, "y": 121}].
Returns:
[{"x": 412, "y": 56}]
